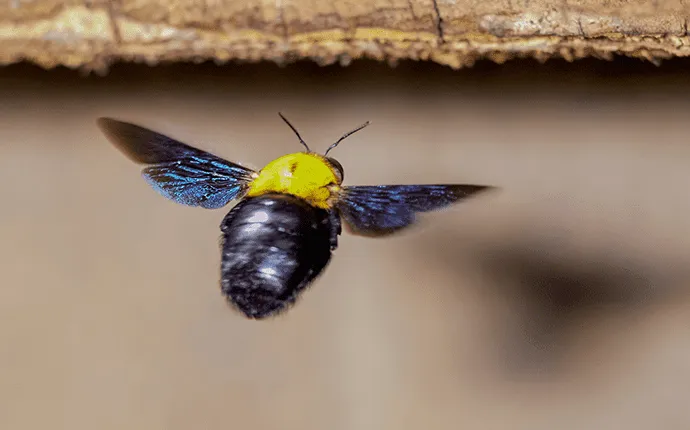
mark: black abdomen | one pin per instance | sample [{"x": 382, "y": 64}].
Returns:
[{"x": 273, "y": 247}]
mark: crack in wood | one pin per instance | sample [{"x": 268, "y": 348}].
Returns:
[
  {"x": 439, "y": 22},
  {"x": 579, "y": 26}
]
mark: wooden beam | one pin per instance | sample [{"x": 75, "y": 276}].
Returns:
[{"x": 93, "y": 34}]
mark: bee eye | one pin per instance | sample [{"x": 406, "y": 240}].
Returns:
[{"x": 338, "y": 168}]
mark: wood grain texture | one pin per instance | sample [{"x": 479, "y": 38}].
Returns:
[{"x": 92, "y": 34}]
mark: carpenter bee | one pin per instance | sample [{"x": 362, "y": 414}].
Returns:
[{"x": 279, "y": 237}]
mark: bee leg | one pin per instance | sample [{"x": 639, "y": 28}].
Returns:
[{"x": 336, "y": 227}]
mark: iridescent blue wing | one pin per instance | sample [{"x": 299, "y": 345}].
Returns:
[
  {"x": 178, "y": 171},
  {"x": 385, "y": 209}
]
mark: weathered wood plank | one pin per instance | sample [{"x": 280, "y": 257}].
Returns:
[{"x": 93, "y": 34}]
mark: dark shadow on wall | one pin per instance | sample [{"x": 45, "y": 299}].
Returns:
[{"x": 552, "y": 297}]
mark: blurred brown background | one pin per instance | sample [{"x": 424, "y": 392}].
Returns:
[{"x": 560, "y": 301}]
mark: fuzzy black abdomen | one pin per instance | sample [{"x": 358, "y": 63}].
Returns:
[{"x": 273, "y": 247}]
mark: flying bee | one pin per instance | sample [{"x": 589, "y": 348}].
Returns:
[{"x": 279, "y": 237}]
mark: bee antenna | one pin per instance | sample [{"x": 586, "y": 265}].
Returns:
[
  {"x": 296, "y": 132},
  {"x": 349, "y": 133}
]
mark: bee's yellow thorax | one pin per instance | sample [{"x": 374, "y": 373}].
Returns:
[{"x": 305, "y": 175}]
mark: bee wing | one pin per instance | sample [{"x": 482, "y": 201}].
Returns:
[
  {"x": 385, "y": 209},
  {"x": 179, "y": 172}
]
